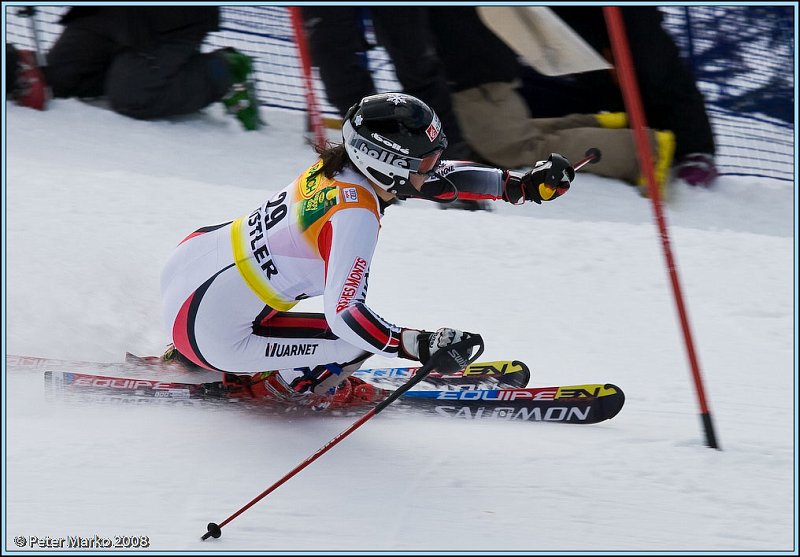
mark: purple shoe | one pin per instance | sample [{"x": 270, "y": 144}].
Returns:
[{"x": 696, "y": 169}]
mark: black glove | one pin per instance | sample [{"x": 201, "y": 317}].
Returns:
[
  {"x": 422, "y": 345},
  {"x": 547, "y": 180}
]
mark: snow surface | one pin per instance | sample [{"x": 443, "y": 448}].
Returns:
[{"x": 577, "y": 288}]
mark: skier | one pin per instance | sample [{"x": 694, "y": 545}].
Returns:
[{"x": 227, "y": 289}]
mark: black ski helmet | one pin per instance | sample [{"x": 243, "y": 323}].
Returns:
[{"x": 389, "y": 135}]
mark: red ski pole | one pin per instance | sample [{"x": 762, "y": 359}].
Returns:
[
  {"x": 439, "y": 359},
  {"x": 314, "y": 115}
]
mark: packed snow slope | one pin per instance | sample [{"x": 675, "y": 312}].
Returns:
[{"x": 576, "y": 288}]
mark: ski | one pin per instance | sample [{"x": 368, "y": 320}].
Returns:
[
  {"x": 496, "y": 374},
  {"x": 502, "y": 373},
  {"x": 574, "y": 404},
  {"x": 577, "y": 404}
]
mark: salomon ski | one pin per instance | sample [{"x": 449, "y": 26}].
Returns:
[{"x": 578, "y": 404}]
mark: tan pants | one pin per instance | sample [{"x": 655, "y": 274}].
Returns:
[{"x": 497, "y": 124}]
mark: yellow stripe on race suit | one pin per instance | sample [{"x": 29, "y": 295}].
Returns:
[{"x": 251, "y": 272}]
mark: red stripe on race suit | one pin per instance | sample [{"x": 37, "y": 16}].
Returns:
[{"x": 378, "y": 334}]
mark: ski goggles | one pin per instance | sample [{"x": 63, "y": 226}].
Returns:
[{"x": 427, "y": 164}]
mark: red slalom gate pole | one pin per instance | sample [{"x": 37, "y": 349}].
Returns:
[
  {"x": 315, "y": 117},
  {"x": 633, "y": 104},
  {"x": 214, "y": 530}
]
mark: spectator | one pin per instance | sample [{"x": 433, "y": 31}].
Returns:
[
  {"x": 146, "y": 61},
  {"x": 483, "y": 74},
  {"x": 338, "y": 49},
  {"x": 670, "y": 96}
]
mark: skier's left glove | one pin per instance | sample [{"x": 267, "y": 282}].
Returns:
[
  {"x": 422, "y": 346},
  {"x": 546, "y": 181}
]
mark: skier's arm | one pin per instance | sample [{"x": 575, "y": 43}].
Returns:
[
  {"x": 350, "y": 243},
  {"x": 545, "y": 181},
  {"x": 347, "y": 245}
]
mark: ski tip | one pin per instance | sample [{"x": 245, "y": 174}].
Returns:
[
  {"x": 521, "y": 364},
  {"x": 525, "y": 372},
  {"x": 613, "y": 403}
]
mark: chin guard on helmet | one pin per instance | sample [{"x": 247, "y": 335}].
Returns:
[{"x": 408, "y": 191}]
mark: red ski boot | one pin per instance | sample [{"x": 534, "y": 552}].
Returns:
[{"x": 352, "y": 392}]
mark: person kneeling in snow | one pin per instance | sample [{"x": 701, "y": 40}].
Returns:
[{"x": 227, "y": 289}]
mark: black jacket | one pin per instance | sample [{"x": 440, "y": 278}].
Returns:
[
  {"x": 471, "y": 53},
  {"x": 141, "y": 26}
]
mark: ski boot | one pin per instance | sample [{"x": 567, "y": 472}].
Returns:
[
  {"x": 321, "y": 388},
  {"x": 231, "y": 386},
  {"x": 171, "y": 357},
  {"x": 354, "y": 392}
]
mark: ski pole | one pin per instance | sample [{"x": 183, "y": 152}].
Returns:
[
  {"x": 593, "y": 156},
  {"x": 443, "y": 356}
]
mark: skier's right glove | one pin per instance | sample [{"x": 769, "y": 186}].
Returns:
[
  {"x": 422, "y": 345},
  {"x": 545, "y": 181}
]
